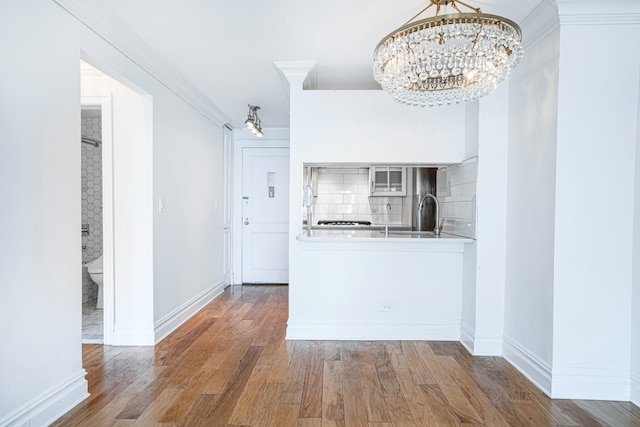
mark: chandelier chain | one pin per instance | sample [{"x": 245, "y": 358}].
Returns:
[{"x": 438, "y": 3}]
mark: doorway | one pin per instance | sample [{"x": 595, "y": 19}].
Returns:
[
  {"x": 92, "y": 220},
  {"x": 265, "y": 215},
  {"x": 127, "y": 206}
]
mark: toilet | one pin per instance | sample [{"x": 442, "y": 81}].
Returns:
[{"x": 95, "y": 272}]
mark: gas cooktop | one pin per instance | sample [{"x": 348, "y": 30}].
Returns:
[{"x": 343, "y": 222}]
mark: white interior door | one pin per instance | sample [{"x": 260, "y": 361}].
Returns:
[{"x": 265, "y": 215}]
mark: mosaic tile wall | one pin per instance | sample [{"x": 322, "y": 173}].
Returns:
[{"x": 91, "y": 199}]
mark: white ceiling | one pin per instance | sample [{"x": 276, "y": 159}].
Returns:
[{"x": 226, "y": 48}]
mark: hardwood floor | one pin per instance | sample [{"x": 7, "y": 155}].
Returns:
[{"x": 230, "y": 366}]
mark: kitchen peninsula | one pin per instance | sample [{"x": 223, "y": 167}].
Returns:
[{"x": 374, "y": 280}]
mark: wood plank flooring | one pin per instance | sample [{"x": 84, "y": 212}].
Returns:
[{"x": 230, "y": 366}]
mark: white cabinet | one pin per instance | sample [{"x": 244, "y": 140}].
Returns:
[{"x": 388, "y": 180}]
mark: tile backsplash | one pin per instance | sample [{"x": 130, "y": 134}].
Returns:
[
  {"x": 456, "y": 190},
  {"x": 343, "y": 194}
]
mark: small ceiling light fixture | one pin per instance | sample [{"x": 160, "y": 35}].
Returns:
[
  {"x": 447, "y": 59},
  {"x": 253, "y": 121}
]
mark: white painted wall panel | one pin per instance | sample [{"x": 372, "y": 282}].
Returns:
[
  {"x": 595, "y": 166},
  {"x": 531, "y": 209},
  {"x": 635, "y": 320},
  {"x": 188, "y": 175},
  {"x": 368, "y": 126},
  {"x": 340, "y": 289},
  {"x": 491, "y": 201}
]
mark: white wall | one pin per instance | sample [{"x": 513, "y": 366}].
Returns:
[
  {"x": 491, "y": 200},
  {"x": 595, "y": 166},
  {"x": 188, "y": 175},
  {"x": 468, "y": 323},
  {"x": 40, "y": 256},
  {"x": 635, "y": 320},
  {"x": 530, "y": 210},
  {"x": 367, "y": 126}
]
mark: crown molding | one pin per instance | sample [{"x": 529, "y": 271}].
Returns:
[
  {"x": 537, "y": 25},
  {"x": 604, "y": 19},
  {"x": 114, "y": 32},
  {"x": 591, "y": 12},
  {"x": 298, "y": 73}
]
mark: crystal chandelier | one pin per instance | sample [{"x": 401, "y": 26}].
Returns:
[
  {"x": 446, "y": 59},
  {"x": 253, "y": 121}
]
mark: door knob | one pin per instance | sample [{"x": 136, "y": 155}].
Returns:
[{"x": 246, "y": 221}]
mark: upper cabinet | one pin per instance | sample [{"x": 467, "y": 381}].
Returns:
[{"x": 388, "y": 180}]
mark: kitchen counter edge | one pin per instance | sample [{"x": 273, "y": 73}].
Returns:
[{"x": 376, "y": 236}]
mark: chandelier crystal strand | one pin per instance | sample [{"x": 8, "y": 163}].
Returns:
[{"x": 447, "y": 59}]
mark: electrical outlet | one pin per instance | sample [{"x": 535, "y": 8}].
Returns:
[{"x": 386, "y": 306}]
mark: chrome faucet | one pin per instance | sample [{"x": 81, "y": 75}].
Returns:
[{"x": 438, "y": 228}]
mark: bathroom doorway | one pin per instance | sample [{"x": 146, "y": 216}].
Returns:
[
  {"x": 92, "y": 228},
  {"x": 126, "y": 140}
]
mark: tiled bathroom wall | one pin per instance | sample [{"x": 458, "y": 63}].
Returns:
[
  {"x": 456, "y": 190},
  {"x": 91, "y": 198},
  {"x": 343, "y": 194}
]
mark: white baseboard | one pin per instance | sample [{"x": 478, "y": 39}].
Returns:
[
  {"x": 177, "y": 317},
  {"x": 529, "y": 364},
  {"x": 375, "y": 332},
  {"x": 50, "y": 405},
  {"x": 467, "y": 337},
  {"x": 591, "y": 384},
  {"x": 480, "y": 346},
  {"x": 123, "y": 335},
  {"x": 635, "y": 389},
  {"x": 487, "y": 346}
]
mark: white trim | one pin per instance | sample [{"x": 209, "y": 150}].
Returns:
[
  {"x": 177, "y": 317},
  {"x": 635, "y": 389},
  {"x": 608, "y": 19},
  {"x": 441, "y": 330},
  {"x": 467, "y": 337},
  {"x": 529, "y": 364},
  {"x": 297, "y": 73},
  {"x": 50, "y": 405},
  {"x": 118, "y": 35},
  {"x": 479, "y": 346},
  {"x": 539, "y": 24},
  {"x": 487, "y": 346},
  {"x": 132, "y": 336},
  {"x": 591, "y": 384}
]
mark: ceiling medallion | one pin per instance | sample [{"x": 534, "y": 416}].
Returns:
[{"x": 447, "y": 59}]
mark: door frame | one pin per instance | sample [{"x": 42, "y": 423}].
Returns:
[
  {"x": 242, "y": 138},
  {"x": 227, "y": 149}
]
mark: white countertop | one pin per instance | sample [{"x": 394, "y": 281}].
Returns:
[{"x": 377, "y": 235}]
